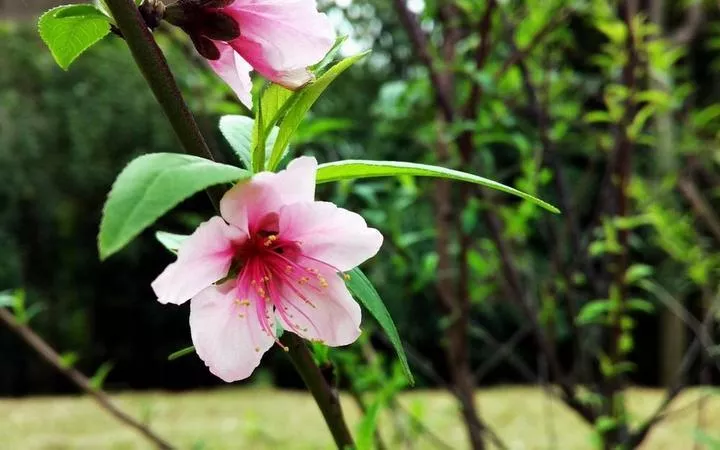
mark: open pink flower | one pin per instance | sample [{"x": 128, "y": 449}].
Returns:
[
  {"x": 278, "y": 38},
  {"x": 275, "y": 255}
]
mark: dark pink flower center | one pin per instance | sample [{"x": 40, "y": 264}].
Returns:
[{"x": 270, "y": 269}]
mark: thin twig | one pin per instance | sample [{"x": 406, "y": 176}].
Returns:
[
  {"x": 639, "y": 435},
  {"x": 81, "y": 381},
  {"x": 419, "y": 41},
  {"x": 702, "y": 208},
  {"x": 503, "y": 351}
]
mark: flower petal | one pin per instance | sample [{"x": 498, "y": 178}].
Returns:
[
  {"x": 332, "y": 235},
  {"x": 296, "y": 183},
  {"x": 249, "y": 202},
  {"x": 255, "y": 54},
  {"x": 228, "y": 335},
  {"x": 203, "y": 258},
  {"x": 327, "y": 313},
  {"x": 281, "y": 35},
  {"x": 235, "y": 71}
]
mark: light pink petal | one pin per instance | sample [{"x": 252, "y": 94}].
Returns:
[
  {"x": 248, "y": 202},
  {"x": 327, "y": 312},
  {"x": 203, "y": 258},
  {"x": 335, "y": 236},
  {"x": 296, "y": 183},
  {"x": 235, "y": 71},
  {"x": 254, "y": 53},
  {"x": 227, "y": 335},
  {"x": 281, "y": 35},
  {"x": 251, "y": 201}
]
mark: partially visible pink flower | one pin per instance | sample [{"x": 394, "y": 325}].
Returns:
[
  {"x": 276, "y": 255},
  {"x": 278, "y": 38}
]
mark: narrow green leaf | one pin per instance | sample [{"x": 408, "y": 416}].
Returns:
[
  {"x": 306, "y": 98},
  {"x": 350, "y": 169},
  {"x": 170, "y": 241},
  {"x": 181, "y": 353},
  {"x": 330, "y": 57},
  {"x": 238, "y": 131},
  {"x": 273, "y": 104},
  {"x": 363, "y": 289},
  {"x": 149, "y": 187},
  {"x": 71, "y": 29}
]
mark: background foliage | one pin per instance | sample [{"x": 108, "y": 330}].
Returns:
[{"x": 65, "y": 135}]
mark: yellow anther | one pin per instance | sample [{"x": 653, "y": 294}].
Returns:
[{"x": 346, "y": 276}]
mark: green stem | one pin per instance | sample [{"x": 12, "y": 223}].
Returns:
[
  {"x": 154, "y": 67},
  {"x": 325, "y": 396}
]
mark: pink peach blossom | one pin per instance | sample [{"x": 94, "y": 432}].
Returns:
[
  {"x": 278, "y": 38},
  {"x": 275, "y": 255}
]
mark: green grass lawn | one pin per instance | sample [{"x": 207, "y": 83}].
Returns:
[{"x": 264, "y": 418}]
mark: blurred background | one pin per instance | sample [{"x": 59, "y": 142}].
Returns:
[{"x": 572, "y": 327}]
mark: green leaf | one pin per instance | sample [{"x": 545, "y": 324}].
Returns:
[
  {"x": 367, "y": 426},
  {"x": 170, "y": 241},
  {"x": 593, "y": 312},
  {"x": 350, "y": 169},
  {"x": 103, "y": 371},
  {"x": 79, "y": 11},
  {"x": 181, "y": 353},
  {"x": 306, "y": 98},
  {"x": 238, "y": 131},
  {"x": 330, "y": 57},
  {"x": 639, "y": 304},
  {"x": 637, "y": 272},
  {"x": 71, "y": 29},
  {"x": 69, "y": 359},
  {"x": 273, "y": 104},
  {"x": 604, "y": 424},
  {"x": 363, "y": 289},
  {"x": 149, "y": 187}
]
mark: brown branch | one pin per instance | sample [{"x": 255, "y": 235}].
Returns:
[
  {"x": 443, "y": 92},
  {"x": 481, "y": 57},
  {"x": 504, "y": 351},
  {"x": 702, "y": 209},
  {"x": 82, "y": 382},
  {"x": 693, "y": 20},
  {"x": 660, "y": 413}
]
